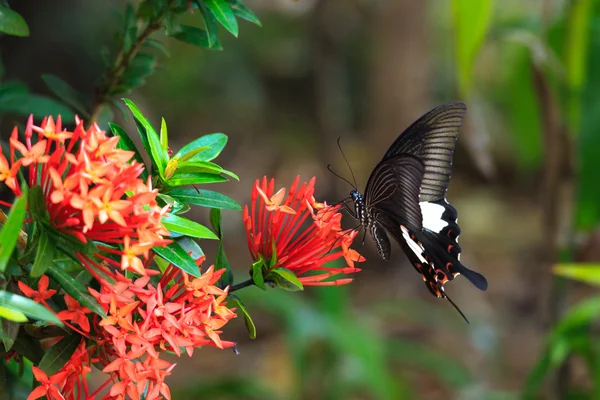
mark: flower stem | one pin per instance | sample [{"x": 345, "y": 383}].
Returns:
[{"x": 241, "y": 285}]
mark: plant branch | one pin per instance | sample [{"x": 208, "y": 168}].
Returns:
[{"x": 241, "y": 285}]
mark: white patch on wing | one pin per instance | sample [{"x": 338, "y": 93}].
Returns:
[
  {"x": 432, "y": 216},
  {"x": 414, "y": 246}
]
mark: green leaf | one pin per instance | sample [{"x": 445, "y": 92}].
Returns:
[
  {"x": 158, "y": 155},
  {"x": 142, "y": 66},
  {"x": 221, "y": 262},
  {"x": 27, "y": 307},
  {"x": 66, "y": 93},
  {"x": 58, "y": 355},
  {"x": 222, "y": 12},
  {"x": 12, "y": 315},
  {"x": 125, "y": 143},
  {"x": 198, "y": 178},
  {"x": 12, "y": 228},
  {"x": 29, "y": 348},
  {"x": 44, "y": 256},
  {"x": 589, "y": 273},
  {"x": 37, "y": 205},
  {"x": 204, "y": 198},
  {"x": 155, "y": 44},
  {"x": 257, "y": 274},
  {"x": 273, "y": 255},
  {"x": 210, "y": 23},
  {"x": 187, "y": 227},
  {"x": 26, "y": 104},
  {"x": 241, "y": 11},
  {"x": 284, "y": 278},
  {"x": 177, "y": 256},
  {"x": 471, "y": 20},
  {"x": 215, "y": 221},
  {"x": 247, "y": 318},
  {"x": 204, "y": 166},
  {"x": 164, "y": 135},
  {"x": 76, "y": 290},
  {"x": 8, "y": 332},
  {"x": 195, "y": 36},
  {"x": 205, "y": 148},
  {"x": 12, "y": 23}
]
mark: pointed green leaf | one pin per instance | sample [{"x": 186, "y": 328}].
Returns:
[
  {"x": 27, "y": 306},
  {"x": 37, "y": 205},
  {"x": 9, "y": 331},
  {"x": 26, "y": 104},
  {"x": 257, "y": 274},
  {"x": 198, "y": 178},
  {"x": 164, "y": 136},
  {"x": 210, "y": 147},
  {"x": 58, "y": 355},
  {"x": 241, "y": 11},
  {"x": 66, "y": 93},
  {"x": 155, "y": 44},
  {"x": 76, "y": 290},
  {"x": 284, "y": 278},
  {"x": 12, "y": 315},
  {"x": 210, "y": 23},
  {"x": 223, "y": 14},
  {"x": 215, "y": 221},
  {"x": 204, "y": 166},
  {"x": 12, "y": 23},
  {"x": 44, "y": 256},
  {"x": 204, "y": 198},
  {"x": 273, "y": 255},
  {"x": 195, "y": 36},
  {"x": 187, "y": 227},
  {"x": 247, "y": 318},
  {"x": 177, "y": 256},
  {"x": 149, "y": 138},
  {"x": 12, "y": 228},
  {"x": 589, "y": 273},
  {"x": 29, "y": 348}
]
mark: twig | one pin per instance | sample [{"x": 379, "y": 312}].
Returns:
[{"x": 241, "y": 285}]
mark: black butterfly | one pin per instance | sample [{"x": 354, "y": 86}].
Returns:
[{"x": 406, "y": 197}]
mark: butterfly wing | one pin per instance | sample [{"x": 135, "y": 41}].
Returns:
[
  {"x": 393, "y": 189},
  {"x": 432, "y": 138}
]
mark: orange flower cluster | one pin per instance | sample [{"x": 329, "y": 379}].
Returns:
[
  {"x": 276, "y": 221},
  {"x": 85, "y": 179},
  {"x": 92, "y": 191}
]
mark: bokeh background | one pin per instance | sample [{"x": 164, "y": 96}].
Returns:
[{"x": 525, "y": 183}]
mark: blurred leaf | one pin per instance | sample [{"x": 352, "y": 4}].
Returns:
[
  {"x": 44, "y": 256},
  {"x": 37, "y": 205},
  {"x": 240, "y": 10},
  {"x": 247, "y": 318},
  {"x": 130, "y": 28},
  {"x": 226, "y": 388},
  {"x": 187, "y": 227},
  {"x": 150, "y": 138},
  {"x": 27, "y": 307},
  {"x": 12, "y": 315},
  {"x": 191, "y": 247},
  {"x": 29, "y": 348},
  {"x": 257, "y": 274},
  {"x": 284, "y": 278},
  {"x": 66, "y": 93},
  {"x": 75, "y": 289},
  {"x": 58, "y": 355},
  {"x": 471, "y": 21},
  {"x": 210, "y": 23},
  {"x": 589, "y": 273},
  {"x": 26, "y": 104},
  {"x": 177, "y": 256},
  {"x": 197, "y": 178},
  {"x": 12, "y": 228},
  {"x": 12, "y": 23},
  {"x": 8, "y": 332},
  {"x": 222, "y": 12},
  {"x": 125, "y": 143},
  {"x": 142, "y": 66},
  {"x": 155, "y": 44},
  {"x": 195, "y": 36},
  {"x": 204, "y": 198},
  {"x": 205, "y": 148}
]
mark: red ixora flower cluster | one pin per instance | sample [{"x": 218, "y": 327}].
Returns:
[
  {"x": 84, "y": 178},
  {"x": 280, "y": 222},
  {"x": 93, "y": 192}
]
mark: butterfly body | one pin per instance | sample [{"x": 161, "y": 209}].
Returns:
[{"x": 405, "y": 197}]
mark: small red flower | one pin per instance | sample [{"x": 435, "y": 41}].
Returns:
[
  {"x": 304, "y": 233},
  {"x": 40, "y": 295},
  {"x": 49, "y": 386}
]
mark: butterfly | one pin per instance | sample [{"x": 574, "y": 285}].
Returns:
[{"x": 405, "y": 196}]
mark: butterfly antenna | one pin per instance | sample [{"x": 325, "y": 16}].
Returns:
[
  {"x": 347, "y": 163},
  {"x": 339, "y": 176},
  {"x": 457, "y": 309}
]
